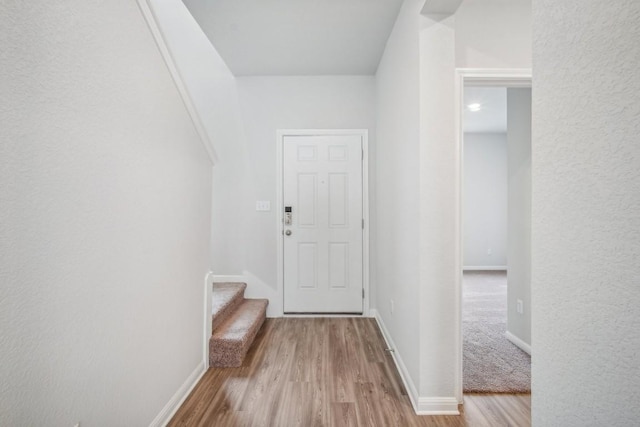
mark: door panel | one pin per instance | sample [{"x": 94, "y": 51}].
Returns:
[
  {"x": 307, "y": 199},
  {"x": 308, "y": 265},
  {"x": 338, "y": 200},
  {"x": 338, "y": 265},
  {"x": 322, "y": 184}
]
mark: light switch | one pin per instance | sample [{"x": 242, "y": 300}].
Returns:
[{"x": 263, "y": 205}]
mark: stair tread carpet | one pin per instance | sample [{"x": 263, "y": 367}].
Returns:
[
  {"x": 232, "y": 339},
  {"x": 226, "y": 298}
]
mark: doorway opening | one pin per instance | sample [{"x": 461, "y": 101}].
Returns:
[{"x": 495, "y": 215}]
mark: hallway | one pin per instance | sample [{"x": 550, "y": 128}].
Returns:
[{"x": 326, "y": 372}]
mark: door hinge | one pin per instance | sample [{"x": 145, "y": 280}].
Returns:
[
  {"x": 363, "y": 223},
  {"x": 362, "y": 293}
]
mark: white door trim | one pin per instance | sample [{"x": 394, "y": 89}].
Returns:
[
  {"x": 364, "y": 133},
  {"x": 472, "y": 77}
]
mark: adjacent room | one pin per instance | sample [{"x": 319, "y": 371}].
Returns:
[{"x": 496, "y": 250}]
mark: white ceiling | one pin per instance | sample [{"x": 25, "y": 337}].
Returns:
[
  {"x": 492, "y": 116},
  {"x": 297, "y": 37}
]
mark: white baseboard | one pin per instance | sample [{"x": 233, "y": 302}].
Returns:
[
  {"x": 518, "y": 342},
  {"x": 412, "y": 391},
  {"x": 421, "y": 405},
  {"x": 484, "y": 268},
  {"x": 438, "y": 406},
  {"x": 163, "y": 418}
]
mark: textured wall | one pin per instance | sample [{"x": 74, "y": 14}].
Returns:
[
  {"x": 485, "y": 200},
  {"x": 586, "y": 213},
  {"x": 519, "y": 212},
  {"x": 104, "y": 217}
]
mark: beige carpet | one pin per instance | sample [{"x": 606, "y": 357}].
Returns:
[
  {"x": 235, "y": 322},
  {"x": 491, "y": 363}
]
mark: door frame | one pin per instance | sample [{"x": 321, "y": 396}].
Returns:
[
  {"x": 364, "y": 134},
  {"x": 509, "y": 78}
]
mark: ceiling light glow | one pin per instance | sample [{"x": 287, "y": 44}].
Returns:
[{"x": 474, "y": 107}]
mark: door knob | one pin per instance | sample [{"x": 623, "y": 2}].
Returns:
[{"x": 288, "y": 232}]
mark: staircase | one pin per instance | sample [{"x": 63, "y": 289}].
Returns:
[{"x": 235, "y": 323}]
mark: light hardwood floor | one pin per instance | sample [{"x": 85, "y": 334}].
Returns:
[{"x": 326, "y": 372}]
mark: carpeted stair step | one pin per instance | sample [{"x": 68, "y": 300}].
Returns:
[
  {"x": 231, "y": 341},
  {"x": 226, "y": 298}
]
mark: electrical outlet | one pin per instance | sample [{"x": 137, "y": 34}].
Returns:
[
  {"x": 519, "y": 306},
  {"x": 391, "y": 305}
]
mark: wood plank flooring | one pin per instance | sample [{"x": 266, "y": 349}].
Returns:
[{"x": 326, "y": 372}]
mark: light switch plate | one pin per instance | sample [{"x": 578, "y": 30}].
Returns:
[{"x": 263, "y": 205}]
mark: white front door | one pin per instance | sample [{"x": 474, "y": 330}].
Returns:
[{"x": 323, "y": 232}]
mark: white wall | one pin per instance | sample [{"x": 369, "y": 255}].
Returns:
[
  {"x": 493, "y": 34},
  {"x": 213, "y": 91},
  {"x": 272, "y": 103},
  {"x": 244, "y": 242},
  {"x": 439, "y": 214},
  {"x": 444, "y": 44},
  {"x": 105, "y": 190},
  {"x": 398, "y": 179},
  {"x": 418, "y": 180},
  {"x": 519, "y": 212},
  {"x": 485, "y": 201},
  {"x": 586, "y": 221}
]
